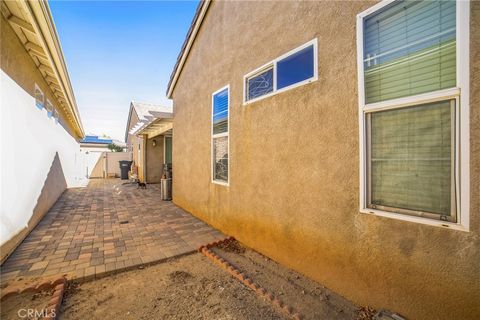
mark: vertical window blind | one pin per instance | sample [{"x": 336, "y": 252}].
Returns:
[
  {"x": 411, "y": 158},
  {"x": 409, "y": 48}
]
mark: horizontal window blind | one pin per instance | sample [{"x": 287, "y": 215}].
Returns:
[
  {"x": 412, "y": 158},
  {"x": 409, "y": 48},
  {"x": 220, "y": 112}
]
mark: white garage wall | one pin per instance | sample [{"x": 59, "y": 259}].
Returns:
[{"x": 29, "y": 142}]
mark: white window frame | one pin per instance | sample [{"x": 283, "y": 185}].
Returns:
[
  {"x": 37, "y": 88},
  {"x": 273, "y": 64},
  {"x": 219, "y": 135},
  {"x": 461, "y": 95}
]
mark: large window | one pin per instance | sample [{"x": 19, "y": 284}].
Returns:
[
  {"x": 220, "y": 140},
  {"x": 290, "y": 70},
  {"x": 410, "y": 119}
]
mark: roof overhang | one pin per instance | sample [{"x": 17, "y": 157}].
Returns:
[
  {"x": 158, "y": 123},
  {"x": 187, "y": 45},
  {"x": 33, "y": 23}
]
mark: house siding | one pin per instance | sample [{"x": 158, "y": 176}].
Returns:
[{"x": 294, "y": 164}]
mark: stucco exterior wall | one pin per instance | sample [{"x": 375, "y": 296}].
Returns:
[
  {"x": 39, "y": 157},
  {"x": 294, "y": 164},
  {"x": 154, "y": 159},
  {"x": 135, "y": 144}
]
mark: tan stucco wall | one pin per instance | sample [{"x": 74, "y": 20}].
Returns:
[
  {"x": 19, "y": 66},
  {"x": 154, "y": 159},
  {"x": 294, "y": 164},
  {"x": 135, "y": 144}
]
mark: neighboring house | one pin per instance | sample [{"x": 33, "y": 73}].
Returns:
[
  {"x": 99, "y": 160},
  {"x": 149, "y": 137},
  {"x": 342, "y": 140},
  {"x": 40, "y": 123}
]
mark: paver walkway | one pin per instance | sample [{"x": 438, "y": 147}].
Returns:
[{"x": 108, "y": 226}]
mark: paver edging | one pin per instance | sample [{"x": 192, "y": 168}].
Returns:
[
  {"x": 248, "y": 282},
  {"x": 53, "y": 306}
]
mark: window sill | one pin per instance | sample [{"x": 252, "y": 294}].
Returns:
[
  {"x": 221, "y": 183},
  {"x": 430, "y": 222}
]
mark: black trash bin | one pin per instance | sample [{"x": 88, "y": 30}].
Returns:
[{"x": 124, "y": 168}]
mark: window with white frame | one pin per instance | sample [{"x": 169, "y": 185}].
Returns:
[
  {"x": 410, "y": 108},
  {"x": 39, "y": 97},
  {"x": 290, "y": 70},
  {"x": 220, "y": 137},
  {"x": 50, "y": 109}
]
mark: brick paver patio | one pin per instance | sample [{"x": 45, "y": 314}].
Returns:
[{"x": 106, "y": 227}]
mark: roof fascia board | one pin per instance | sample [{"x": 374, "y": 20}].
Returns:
[
  {"x": 45, "y": 29},
  {"x": 189, "y": 42}
]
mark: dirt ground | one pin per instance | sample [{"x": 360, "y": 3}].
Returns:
[
  {"x": 192, "y": 287},
  {"x": 309, "y": 297},
  {"x": 189, "y": 287},
  {"x": 25, "y": 306}
]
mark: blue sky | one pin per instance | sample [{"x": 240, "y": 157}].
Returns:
[{"x": 119, "y": 51}]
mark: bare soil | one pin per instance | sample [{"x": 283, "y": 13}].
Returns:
[
  {"x": 312, "y": 299},
  {"x": 25, "y": 306},
  {"x": 189, "y": 287},
  {"x": 193, "y": 287}
]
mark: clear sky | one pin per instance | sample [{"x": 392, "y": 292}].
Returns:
[{"x": 119, "y": 51}]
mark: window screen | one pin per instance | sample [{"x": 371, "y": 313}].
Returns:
[
  {"x": 412, "y": 158},
  {"x": 260, "y": 84},
  {"x": 409, "y": 48},
  {"x": 295, "y": 68},
  {"x": 220, "y": 154}
]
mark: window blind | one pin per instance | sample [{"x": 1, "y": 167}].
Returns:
[
  {"x": 412, "y": 158},
  {"x": 220, "y": 112},
  {"x": 409, "y": 48}
]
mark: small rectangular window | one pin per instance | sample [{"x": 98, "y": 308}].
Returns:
[
  {"x": 50, "y": 109},
  {"x": 220, "y": 135},
  {"x": 39, "y": 98},
  {"x": 292, "y": 69}
]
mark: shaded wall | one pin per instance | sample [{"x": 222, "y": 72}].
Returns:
[
  {"x": 294, "y": 164},
  {"x": 39, "y": 157},
  {"x": 154, "y": 159}
]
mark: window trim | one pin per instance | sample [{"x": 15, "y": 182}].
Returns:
[
  {"x": 273, "y": 64},
  {"x": 219, "y": 135},
  {"x": 462, "y": 129}
]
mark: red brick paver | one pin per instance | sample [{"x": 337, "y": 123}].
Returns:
[{"x": 106, "y": 227}]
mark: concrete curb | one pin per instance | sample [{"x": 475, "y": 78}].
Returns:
[
  {"x": 53, "y": 306},
  {"x": 244, "y": 279}
]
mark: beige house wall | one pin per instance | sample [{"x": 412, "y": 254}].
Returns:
[
  {"x": 19, "y": 66},
  {"x": 154, "y": 159},
  {"x": 135, "y": 145},
  {"x": 294, "y": 164}
]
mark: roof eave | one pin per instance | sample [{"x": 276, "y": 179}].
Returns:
[{"x": 187, "y": 45}]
